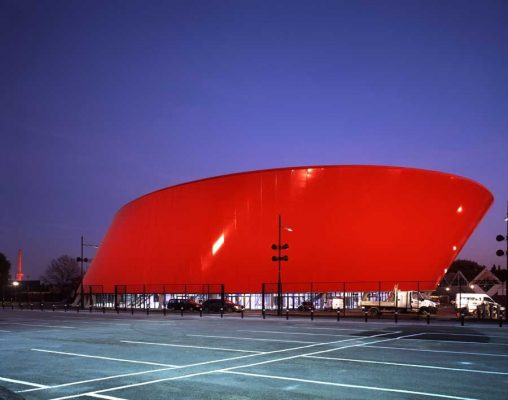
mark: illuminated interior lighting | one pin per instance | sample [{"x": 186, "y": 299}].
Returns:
[
  {"x": 454, "y": 248},
  {"x": 218, "y": 244},
  {"x": 460, "y": 209}
]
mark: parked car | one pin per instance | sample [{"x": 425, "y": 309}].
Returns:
[
  {"x": 188, "y": 305},
  {"x": 306, "y": 306},
  {"x": 215, "y": 305}
]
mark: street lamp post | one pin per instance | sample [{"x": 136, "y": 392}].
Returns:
[
  {"x": 279, "y": 258},
  {"x": 501, "y": 253},
  {"x": 82, "y": 260}
]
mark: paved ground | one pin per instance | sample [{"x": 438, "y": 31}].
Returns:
[{"x": 57, "y": 355}]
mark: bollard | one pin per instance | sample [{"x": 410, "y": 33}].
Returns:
[
  {"x": 148, "y": 311},
  {"x": 263, "y": 312},
  {"x": 132, "y": 309},
  {"x": 42, "y": 306},
  {"x": 312, "y": 315},
  {"x": 366, "y": 313},
  {"x": 103, "y": 309},
  {"x": 164, "y": 310},
  {"x": 221, "y": 312},
  {"x": 201, "y": 311},
  {"x": 77, "y": 308},
  {"x": 287, "y": 313},
  {"x": 90, "y": 308},
  {"x": 65, "y": 307},
  {"x": 242, "y": 313},
  {"x": 117, "y": 309},
  {"x": 428, "y": 318},
  {"x": 31, "y": 306},
  {"x": 396, "y": 316},
  {"x": 181, "y": 311},
  {"x": 338, "y": 314},
  {"x": 500, "y": 318},
  {"x": 53, "y": 307},
  {"x": 462, "y": 319}
]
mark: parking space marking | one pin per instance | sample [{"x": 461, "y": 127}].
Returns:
[
  {"x": 39, "y": 325},
  {"x": 98, "y": 392},
  {"x": 297, "y": 333},
  {"x": 104, "y": 358},
  {"x": 324, "y": 351},
  {"x": 374, "y": 388},
  {"x": 4, "y": 331},
  {"x": 190, "y": 346},
  {"x": 103, "y": 396},
  {"x": 195, "y": 365},
  {"x": 465, "y": 334},
  {"x": 460, "y": 341},
  {"x": 23, "y": 382},
  {"x": 96, "y": 379},
  {"x": 409, "y": 365},
  {"x": 327, "y": 329},
  {"x": 439, "y": 351},
  {"x": 251, "y": 338},
  {"x": 255, "y": 364}
]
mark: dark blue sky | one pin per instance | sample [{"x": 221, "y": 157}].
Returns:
[{"x": 104, "y": 101}]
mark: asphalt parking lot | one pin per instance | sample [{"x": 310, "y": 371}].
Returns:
[{"x": 57, "y": 355}]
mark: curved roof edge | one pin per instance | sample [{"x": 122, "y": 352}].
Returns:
[{"x": 305, "y": 167}]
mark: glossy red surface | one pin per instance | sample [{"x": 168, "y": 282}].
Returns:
[{"x": 349, "y": 223}]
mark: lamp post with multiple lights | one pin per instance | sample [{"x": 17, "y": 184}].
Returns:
[
  {"x": 279, "y": 258},
  {"x": 501, "y": 253},
  {"x": 82, "y": 260}
]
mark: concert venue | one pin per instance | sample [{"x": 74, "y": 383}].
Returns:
[{"x": 357, "y": 226}]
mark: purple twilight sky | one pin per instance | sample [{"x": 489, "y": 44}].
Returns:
[{"x": 104, "y": 101}]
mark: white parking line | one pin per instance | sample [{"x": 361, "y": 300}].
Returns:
[
  {"x": 39, "y": 325},
  {"x": 409, "y": 365},
  {"x": 103, "y": 396},
  {"x": 104, "y": 358},
  {"x": 465, "y": 334},
  {"x": 23, "y": 382},
  {"x": 373, "y": 388},
  {"x": 324, "y": 329},
  {"x": 96, "y": 380},
  {"x": 438, "y": 351},
  {"x": 98, "y": 392},
  {"x": 4, "y": 331},
  {"x": 193, "y": 365},
  {"x": 324, "y": 351},
  {"x": 460, "y": 342},
  {"x": 190, "y": 346},
  {"x": 251, "y": 338},
  {"x": 297, "y": 333}
]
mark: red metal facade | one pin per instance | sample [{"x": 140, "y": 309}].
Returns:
[{"x": 349, "y": 223}]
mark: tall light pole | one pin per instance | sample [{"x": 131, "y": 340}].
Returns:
[
  {"x": 279, "y": 258},
  {"x": 82, "y": 260},
  {"x": 501, "y": 253}
]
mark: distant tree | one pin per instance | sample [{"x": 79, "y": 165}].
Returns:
[
  {"x": 5, "y": 266},
  {"x": 63, "y": 274}
]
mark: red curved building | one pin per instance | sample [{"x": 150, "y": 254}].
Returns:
[{"x": 347, "y": 223}]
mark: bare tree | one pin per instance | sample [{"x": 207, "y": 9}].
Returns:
[
  {"x": 63, "y": 274},
  {"x": 5, "y": 266}
]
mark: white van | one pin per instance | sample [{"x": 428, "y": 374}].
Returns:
[{"x": 471, "y": 301}]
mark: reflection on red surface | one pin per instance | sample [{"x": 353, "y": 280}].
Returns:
[{"x": 349, "y": 223}]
